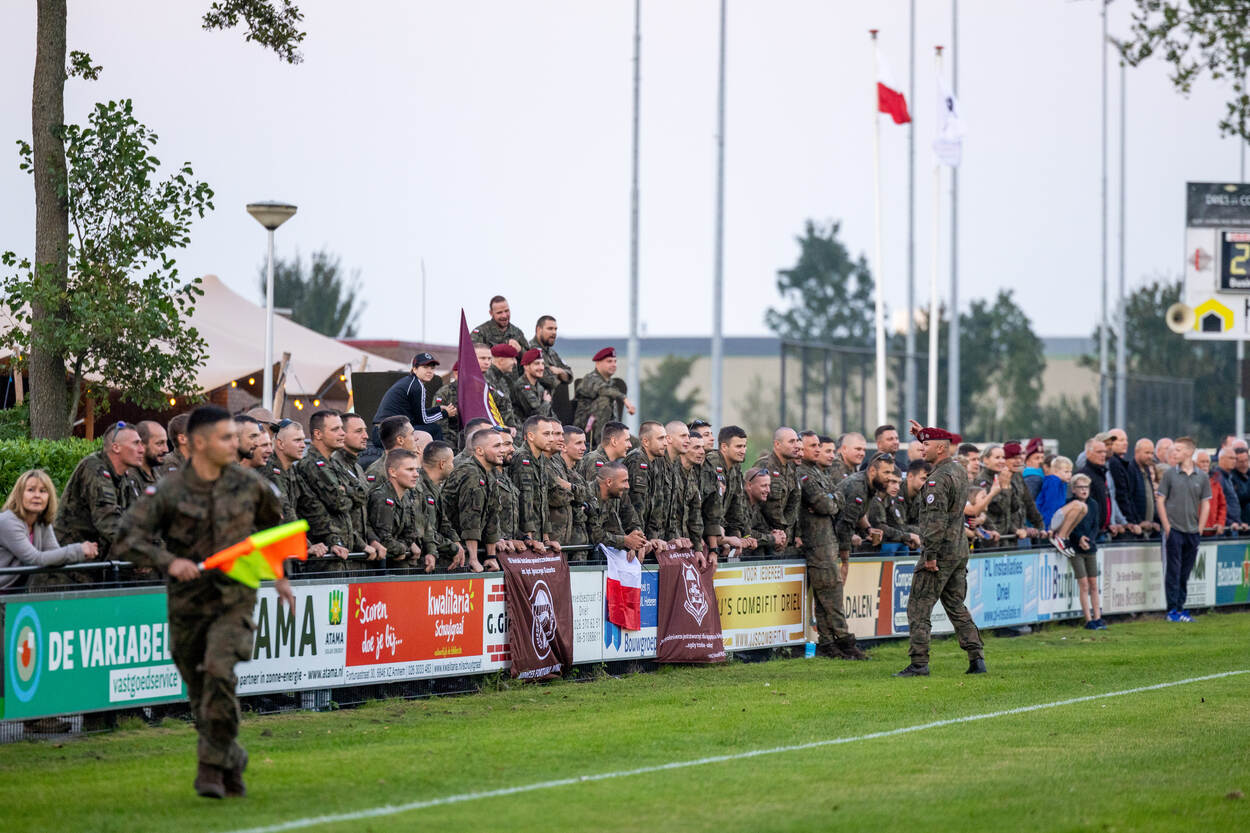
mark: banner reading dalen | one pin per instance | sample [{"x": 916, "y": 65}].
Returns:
[
  {"x": 540, "y": 614},
  {"x": 689, "y": 622}
]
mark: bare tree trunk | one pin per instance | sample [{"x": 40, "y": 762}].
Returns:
[{"x": 48, "y": 394}]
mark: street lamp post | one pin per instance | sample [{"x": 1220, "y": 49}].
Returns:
[{"x": 270, "y": 215}]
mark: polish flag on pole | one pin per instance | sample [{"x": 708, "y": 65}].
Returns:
[
  {"x": 624, "y": 589},
  {"x": 889, "y": 98}
]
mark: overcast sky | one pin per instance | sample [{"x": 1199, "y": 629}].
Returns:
[{"x": 492, "y": 140}]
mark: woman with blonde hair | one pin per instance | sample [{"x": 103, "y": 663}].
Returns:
[{"x": 26, "y": 535}]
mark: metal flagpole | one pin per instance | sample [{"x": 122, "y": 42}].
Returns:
[
  {"x": 934, "y": 318},
  {"x": 952, "y": 361},
  {"x": 910, "y": 372},
  {"x": 878, "y": 272},
  {"x": 1104, "y": 393},
  {"x": 1121, "y": 336},
  {"x": 1239, "y": 416},
  {"x": 634, "y": 357},
  {"x": 718, "y": 277}
]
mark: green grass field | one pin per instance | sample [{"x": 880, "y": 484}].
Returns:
[{"x": 1174, "y": 758}]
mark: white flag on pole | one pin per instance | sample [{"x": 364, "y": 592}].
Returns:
[{"x": 949, "y": 143}]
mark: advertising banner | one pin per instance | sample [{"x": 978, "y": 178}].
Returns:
[
  {"x": 900, "y": 593},
  {"x": 761, "y": 605},
  {"x": 621, "y": 644},
  {"x": 1003, "y": 591},
  {"x": 1056, "y": 585},
  {"x": 588, "y": 619},
  {"x": 300, "y": 650},
  {"x": 540, "y": 614},
  {"x": 1132, "y": 579},
  {"x": 1232, "y": 574},
  {"x": 84, "y": 654},
  {"x": 864, "y": 594},
  {"x": 1201, "y": 589},
  {"x": 689, "y": 627}
]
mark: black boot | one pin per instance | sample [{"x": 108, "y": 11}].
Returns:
[
  {"x": 830, "y": 650},
  {"x": 208, "y": 781},
  {"x": 233, "y": 780},
  {"x": 914, "y": 670},
  {"x": 976, "y": 666},
  {"x": 849, "y": 648}
]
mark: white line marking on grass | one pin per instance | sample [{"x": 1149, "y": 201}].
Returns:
[{"x": 394, "y": 809}]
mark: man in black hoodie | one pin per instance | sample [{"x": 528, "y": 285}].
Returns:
[
  {"x": 1096, "y": 468},
  {"x": 1128, "y": 484}
]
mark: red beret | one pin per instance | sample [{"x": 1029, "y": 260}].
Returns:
[
  {"x": 1012, "y": 449},
  {"x": 938, "y": 434},
  {"x": 531, "y": 355},
  {"x": 1034, "y": 446},
  {"x": 504, "y": 351},
  {"x": 605, "y": 353}
]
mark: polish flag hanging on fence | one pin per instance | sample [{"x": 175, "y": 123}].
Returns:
[
  {"x": 890, "y": 100},
  {"x": 624, "y": 589}
]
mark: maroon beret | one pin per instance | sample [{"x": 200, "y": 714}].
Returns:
[
  {"x": 531, "y": 355},
  {"x": 455, "y": 367},
  {"x": 938, "y": 434},
  {"x": 504, "y": 351},
  {"x": 605, "y": 353},
  {"x": 1034, "y": 446},
  {"x": 1012, "y": 449}
]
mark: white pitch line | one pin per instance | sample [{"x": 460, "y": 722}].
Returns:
[{"x": 394, "y": 809}]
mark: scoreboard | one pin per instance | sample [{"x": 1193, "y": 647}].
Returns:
[{"x": 1217, "y": 260}]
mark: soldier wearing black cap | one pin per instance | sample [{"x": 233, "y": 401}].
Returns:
[{"x": 407, "y": 397}]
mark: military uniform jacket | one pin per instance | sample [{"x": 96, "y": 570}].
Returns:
[
  {"x": 685, "y": 510},
  {"x": 529, "y": 473},
  {"x": 782, "y": 507},
  {"x": 172, "y": 461},
  {"x": 609, "y": 520},
  {"x": 942, "y": 512},
  {"x": 507, "y": 499},
  {"x": 590, "y": 464},
  {"x": 885, "y": 514},
  {"x": 855, "y": 496},
  {"x": 468, "y": 505},
  {"x": 488, "y": 333},
  {"x": 444, "y": 397},
  {"x": 566, "y": 508},
  {"x": 425, "y": 499},
  {"x": 734, "y": 500},
  {"x": 759, "y": 529},
  {"x": 353, "y": 477},
  {"x": 649, "y": 489},
  {"x": 1000, "y": 515},
  {"x": 552, "y": 359},
  {"x": 285, "y": 482},
  {"x": 596, "y": 396},
  {"x": 322, "y": 500},
  {"x": 530, "y": 398},
  {"x": 839, "y": 471},
  {"x": 819, "y": 504},
  {"x": 501, "y": 392},
  {"x": 184, "y": 516},
  {"x": 92, "y": 505},
  {"x": 912, "y": 512},
  {"x": 393, "y": 520},
  {"x": 1027, "y": 513},
  {"x": 376, "y": 473},
  {"x": 142, "y": 479},
  {"x": 712, "y": 497}
]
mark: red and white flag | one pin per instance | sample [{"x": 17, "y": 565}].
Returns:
[
  {"x": 890, "y": 99},
  {"x": 624, "y": 589}
]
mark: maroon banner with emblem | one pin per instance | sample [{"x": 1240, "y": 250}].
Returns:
[
  {"x": 689, "y": 620},
  {"x": 540, "y": 614}
]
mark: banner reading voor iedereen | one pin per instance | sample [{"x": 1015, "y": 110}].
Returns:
[
  {"x": 540, "y": 614},
  {"x": 689, "y": 622}
]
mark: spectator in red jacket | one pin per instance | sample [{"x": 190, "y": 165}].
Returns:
[{"x": 1219, "y": 505}]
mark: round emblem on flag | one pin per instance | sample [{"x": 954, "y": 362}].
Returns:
[
  {"x": 543, "y": 610},
  {"x": 27, "y": 636}
]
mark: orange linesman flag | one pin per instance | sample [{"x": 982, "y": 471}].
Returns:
[{"x": 260, "y": 556}]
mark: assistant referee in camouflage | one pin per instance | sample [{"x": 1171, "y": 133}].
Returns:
[{"x": 942, "y": 573}]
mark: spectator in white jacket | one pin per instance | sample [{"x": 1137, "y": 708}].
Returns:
[{"x": 26, "y": 535}]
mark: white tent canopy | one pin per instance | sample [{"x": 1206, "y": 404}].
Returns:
[{"x": 234, "y": 329}]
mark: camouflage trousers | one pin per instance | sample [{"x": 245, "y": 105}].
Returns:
[
  {"x": 950, "y": 586},
  {"x": 211, "y": 629},
  {"x": 825, "y": 581}
]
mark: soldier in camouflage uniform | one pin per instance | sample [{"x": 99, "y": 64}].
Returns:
[
  {"x": 531, "y": 475},
  {"x": 393, "y": 519},
  {"x": 288, "y": 449},
  {"x": 610, "y": 517},
  {"x": 529, "y": 397},
  {"x": 942, "y": 573},
  {"x": 711, "y": 488},
  {"x": 94, "y": 500},
  {"x": 321, "y": 495},
  {"x": 352, "y": 476},
  {"x": 614, "y": 446},
  {"x": 887, "y": 514},
  {"x": 508, "y": 498},
  {"x": 155, "y": 447},
  {"x": 759, "y": 535},
  {"x": 1027, "y": 522},
  {"x": 468, "y": 507},
  {"x": 499, "y": 329},
  {"x": 782, "y": 509},
  {"x": 917, "y": 474},
  {"x": 499, "y": 378},
  {"x": 448, "y": 396},
  {"x": 852, "y": 448},
  {"x": 727, "y": 460},
  {"x": 819, "y": 504},
  {"x": 856, "y": 492},
  {"x": 648, "y": 478},
  {"x": 682, "y": 499},
  {"x": 395, "y": 432},
  {"x": 176, "y": 437},
  {"x": 566, "y": 507},
  {"x": 597, "y": 397},
  {"x": 440, "y": 552},
  {"x": 210, "y": 504},
  {"x": 555, "y": 371}
]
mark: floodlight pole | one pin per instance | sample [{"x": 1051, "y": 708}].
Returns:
[{"x": 270, "y": 215}]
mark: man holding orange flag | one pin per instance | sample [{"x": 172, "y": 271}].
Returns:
[{"x": 209, "y": 511}]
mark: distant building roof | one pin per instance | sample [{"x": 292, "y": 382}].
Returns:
[{"x": 403, "y": 351}]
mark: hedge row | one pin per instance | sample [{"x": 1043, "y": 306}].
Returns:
[{"x": 57, "y": 457}]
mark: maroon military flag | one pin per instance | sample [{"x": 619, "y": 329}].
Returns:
[
  {"x": 540, "y": 613},
  {"x": 472, "y": 392},
  {"x": 689, "y": 620}
]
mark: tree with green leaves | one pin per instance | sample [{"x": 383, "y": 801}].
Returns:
[
  {"x": 1197, "y": 38},
  {"x": 121, "y": 312},
  {"x": 658, "y": 399},
  {"x": 319, "y": 298},
  {"x": 1000, "y": 375},
  {"x": 274, "y": 24},
  {"x": 829, "y": 294}
]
